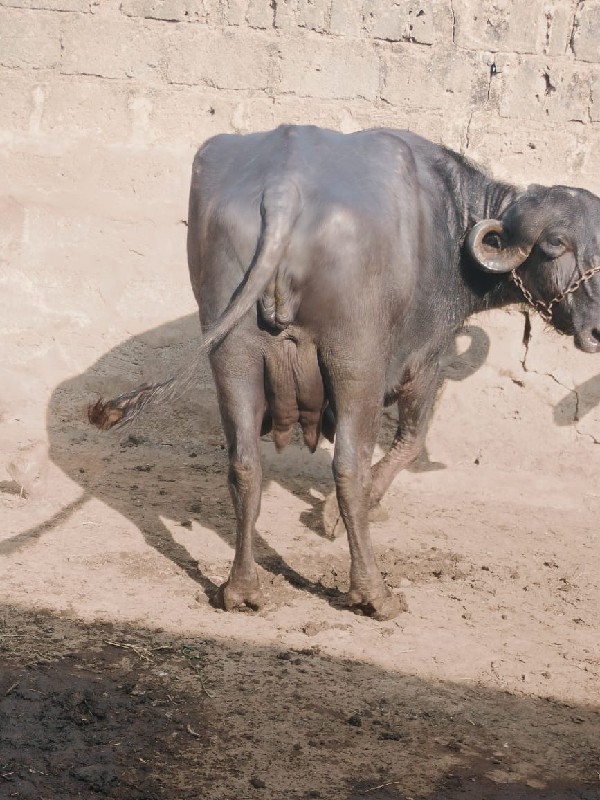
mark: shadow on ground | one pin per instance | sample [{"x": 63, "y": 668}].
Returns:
[
  {"x": 119, "y": 712},
  {"x": 587, "y": 399},
  {"x": 171, "y": 462}
]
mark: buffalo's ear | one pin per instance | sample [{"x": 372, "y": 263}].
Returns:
[{"x": 487, "y": 244}]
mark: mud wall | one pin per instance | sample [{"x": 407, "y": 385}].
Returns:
[{"x": 103, "y": 102}]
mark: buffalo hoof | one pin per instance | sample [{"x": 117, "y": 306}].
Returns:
[
  {"x": 333, "y": 522},
  {"x": 381, "y": 607},
  {"x": 236, "y": 596}
]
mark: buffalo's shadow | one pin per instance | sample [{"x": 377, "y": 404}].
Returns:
[
  {"x": 572, "y": 409},
  {"x": 171, "y": 462}
]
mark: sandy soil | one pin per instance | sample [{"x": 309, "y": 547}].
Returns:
[{"x": 118, "y": 679}]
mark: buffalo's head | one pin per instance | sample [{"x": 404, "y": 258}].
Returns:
[{"x": 552, "y": 234}]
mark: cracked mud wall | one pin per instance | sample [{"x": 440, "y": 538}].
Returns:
[{"x": 103, "y": 102}]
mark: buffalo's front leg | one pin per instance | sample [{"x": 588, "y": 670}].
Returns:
[
  {"x": 415, "y": 405},
  {"x": 358, "y": 409},
  {"x": 242, "y": 403}
]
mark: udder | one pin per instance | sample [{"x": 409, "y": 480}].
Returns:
[{"x": 295, "y": 392}]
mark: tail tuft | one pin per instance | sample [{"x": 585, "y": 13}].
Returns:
[{"x": 105, "y": 414}]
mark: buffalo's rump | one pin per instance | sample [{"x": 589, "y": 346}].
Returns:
[{"x": 355, "y": 211}]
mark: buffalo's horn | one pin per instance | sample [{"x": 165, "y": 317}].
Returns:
[{"x": 494, "y": 259}]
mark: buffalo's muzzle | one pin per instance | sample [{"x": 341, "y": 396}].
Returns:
[{"x": 588, "y": 340}]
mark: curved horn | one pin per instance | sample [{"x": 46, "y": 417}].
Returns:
[{"x": 494, "y": 259}]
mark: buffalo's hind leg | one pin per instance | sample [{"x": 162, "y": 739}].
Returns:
[
  {"x": 239, "y": 377},
  {"x": 358, "y": 405}
]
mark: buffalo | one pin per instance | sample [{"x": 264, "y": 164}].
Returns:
[{"x": 331, "y": 273}]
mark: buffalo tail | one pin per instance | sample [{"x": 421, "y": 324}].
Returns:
[{"x": 280, "y": 208}]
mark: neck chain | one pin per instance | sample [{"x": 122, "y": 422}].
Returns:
[{"x": 545, "y": 309}]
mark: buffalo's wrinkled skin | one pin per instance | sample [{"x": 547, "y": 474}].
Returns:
[{"x": 331, "y": 272}]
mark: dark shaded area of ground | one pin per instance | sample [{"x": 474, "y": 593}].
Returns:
[{"x": 107, "y": 712}]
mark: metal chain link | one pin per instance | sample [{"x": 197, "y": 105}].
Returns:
[{"x": 545, "y": 309}]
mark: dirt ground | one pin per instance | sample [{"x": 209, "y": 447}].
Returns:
[{"x": 118, "y": 679}]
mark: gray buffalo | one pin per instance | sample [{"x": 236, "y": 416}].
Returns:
[{"x": 331, "y": 272}]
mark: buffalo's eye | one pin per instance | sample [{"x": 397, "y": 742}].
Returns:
[{"x": 553, "y": 246}]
